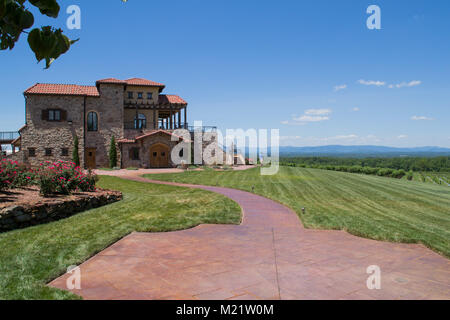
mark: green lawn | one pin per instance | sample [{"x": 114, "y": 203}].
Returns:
[
  {"x": 368, "y": 206},
  {"x": 30, "y": 258}
]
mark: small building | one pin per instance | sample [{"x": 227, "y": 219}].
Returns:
[{"x": 134, "y": 111}]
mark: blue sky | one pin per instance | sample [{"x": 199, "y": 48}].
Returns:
[{"x": 310, "y": 68}]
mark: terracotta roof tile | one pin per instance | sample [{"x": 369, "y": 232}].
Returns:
[
  {"x": 63, "y": 89},
  {"x": 126, "y": 141},
  {"x": 149, "y": 134},
  {"x": 156, "y": 132},
  {"x": 143, "y": 82},
  {"x": 171, "y": 99},
  {"x": 111, "y": 80}
]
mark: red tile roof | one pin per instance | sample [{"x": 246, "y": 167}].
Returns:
[
  {"x": 91, "y": 91},
  {"x": 63, "y": 89},
  {"x": 143, "y": 82},
  {"x": 148, "y": 135},
  {"x": 126, "y": 141},
  {"x": 111, "y": 80},
  {"x": 171, "y": 99}
]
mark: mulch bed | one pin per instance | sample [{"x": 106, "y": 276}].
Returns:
[
  {"x": 30, "y": 197},
  {"x": 21, "y": 208}
]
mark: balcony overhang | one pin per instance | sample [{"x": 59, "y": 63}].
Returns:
[{"x": 157, "y": 106}]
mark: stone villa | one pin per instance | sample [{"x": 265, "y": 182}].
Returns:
[{"x": 134, "y": 111}]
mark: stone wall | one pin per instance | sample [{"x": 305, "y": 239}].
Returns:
[
  {"x": 145, "y": 144},
  {"x": 17, "y": 217},
  {"x": 135, "y": 89},
  {"x": 41, "y": 134},
  {"x": 144, "y": 150},
  {"x": 109, "y": 108}
]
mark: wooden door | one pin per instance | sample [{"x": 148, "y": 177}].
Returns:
[
  {"x": 91, "y": 163},
  {"x": 159, "y": 156}
]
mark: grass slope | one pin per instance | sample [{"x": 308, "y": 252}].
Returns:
[
  {"x": 368, "y": 206},
  {"x": 30, "y": 258}
]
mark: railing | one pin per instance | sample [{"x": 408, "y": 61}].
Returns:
[
  {"x": 203, "y": 129},
  {"x": 135, "y": 125},
  {"x": 166, "y": 126},
  {"x": 142, "y": 124},
  {"x": 9, "y": 136}
]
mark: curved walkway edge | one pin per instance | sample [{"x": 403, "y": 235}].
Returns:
[{"x": 269, "y": 256}]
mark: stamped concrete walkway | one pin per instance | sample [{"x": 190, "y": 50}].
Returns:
[{"x": 269, "y": 256}]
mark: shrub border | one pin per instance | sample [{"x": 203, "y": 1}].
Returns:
[{"x": 18, "y": 217}]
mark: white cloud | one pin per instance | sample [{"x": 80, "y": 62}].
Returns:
[
  {"x": 402, "y": 136},
  {"x": 355, "y": 109},
  {"x": 306, "y": 118},
  {"x": 406, "y": 84},
  {"x": 421, "y": 118},
  {"x": 372, "y": 83},
  {"x": 340, "y": 87},
  {"x": 310, "y": 115},
  {"x": 318, "y": 112}
]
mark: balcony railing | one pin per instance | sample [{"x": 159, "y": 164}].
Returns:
[
  {"x": 142, "y": 125},
  {"x": 135, "y": 125},
  {"x": 8, "y": 136},
  {"x": 203, "y": 128}
]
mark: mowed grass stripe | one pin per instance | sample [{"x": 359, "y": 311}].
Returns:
[
  {"x": 369, "y": 206},
  {"x": 410, "y": 217}
]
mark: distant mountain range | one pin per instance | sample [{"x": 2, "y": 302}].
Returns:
[{"x": 337, "y": 150}]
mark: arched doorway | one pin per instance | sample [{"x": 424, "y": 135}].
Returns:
[{"x": 159, "y": 156}]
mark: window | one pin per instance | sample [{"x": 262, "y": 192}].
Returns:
[
  {"x": 140, "y": 95},
  {"x": 31, "y": 152},
  {"x": 54, "y": 115},
  {"x": 149, "y": 95},
  {"x": 48, "y": 152},
  {"x": 64, "y": 152},
  {"x": 155, "y": 154},
  {"x": 92, "y": 121},
  {"x": 130, "y": 95},
  {"x": 140, "y": 122},
  {"x": 134, "y": 153}
]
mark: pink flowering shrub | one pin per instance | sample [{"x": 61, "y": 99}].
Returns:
[
  {"x": 52, "y": 177},
  {"x": 15, "y": 175},
  {"x": 63, "y": 178}
]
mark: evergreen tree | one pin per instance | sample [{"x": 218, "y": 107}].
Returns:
[
  {"x": 75, "y": 153},
  {"x": 113, "y": 153}
]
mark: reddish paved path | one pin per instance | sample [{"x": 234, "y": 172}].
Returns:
[{"x": 269, "y": 256}]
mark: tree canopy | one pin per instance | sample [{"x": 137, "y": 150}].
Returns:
[{"x": 47, "y": 42}]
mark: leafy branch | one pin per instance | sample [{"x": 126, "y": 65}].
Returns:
[{"x": 47, "y": 42}]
